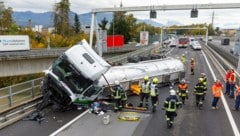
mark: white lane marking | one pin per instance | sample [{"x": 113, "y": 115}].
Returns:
[
  {"x": 226, "y": 107},
  {"x": 68, "y": 124}
]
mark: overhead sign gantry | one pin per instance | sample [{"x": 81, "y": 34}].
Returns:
[{"x": 159, "y": 8}]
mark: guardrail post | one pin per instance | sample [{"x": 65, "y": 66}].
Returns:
[
  {"x": 10, "y": 96},
  {"x": 33, "y": 93}
]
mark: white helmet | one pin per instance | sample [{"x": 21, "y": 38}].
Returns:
[
  {"x": 172, "y": 92},
  {"x": 116, "y": 82}
]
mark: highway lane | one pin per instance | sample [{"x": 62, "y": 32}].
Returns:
[{"x": 190, "y": 120}]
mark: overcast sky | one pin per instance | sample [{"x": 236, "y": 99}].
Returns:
[{"x": 223, "y": 18}]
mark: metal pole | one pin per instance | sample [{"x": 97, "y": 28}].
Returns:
[
  {"x": 206, "y": 35},
  {"x": 161, "y": 37},
  {"x": 92, "y": 29}
]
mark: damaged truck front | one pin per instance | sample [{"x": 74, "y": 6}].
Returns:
[{"x": 72, "y": 77}]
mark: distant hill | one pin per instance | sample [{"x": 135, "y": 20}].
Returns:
[{"x": 45, "y": 19}]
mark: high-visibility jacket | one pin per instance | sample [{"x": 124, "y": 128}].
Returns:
[
  {"x": 145, "y": 87},
  {"x": 116, "y": 92},
  {"x": 200, "y": 89},
  {"x": 182, "y": 89},
  {"x": 227, "y": 76},
  {"x": 171, "y": 103},
  {"x": 238, "y": 91},
  {"x": 216, "y": 89},
  {"x": 232, "y": 78},
  {"x": 123, "y": 95},
  {"x": 183, "y": 59},
  {"x": 204, "y": 81},
  {"x": 153, "y": 90}
]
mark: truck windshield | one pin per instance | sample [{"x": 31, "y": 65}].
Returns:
[{"x": 67, "y": 73}]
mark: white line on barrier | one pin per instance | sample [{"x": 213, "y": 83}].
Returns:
[
  {"x": 69, "y": 123},
  {"x": 226, "y": 107}
]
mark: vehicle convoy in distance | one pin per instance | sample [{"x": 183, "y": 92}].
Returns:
[{"x": 80, "y": 76}]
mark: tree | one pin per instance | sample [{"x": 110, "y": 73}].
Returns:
[
  {"x": 77, "y": 24},
  {"x": 61, "y": 18},
  {"x": 103, "y": 24},
  {"x": 6, "y": 20},
  {"x": 119, "y": 25}
]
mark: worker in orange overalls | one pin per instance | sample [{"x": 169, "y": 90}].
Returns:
[
  {"x": 216, "y": 91},
  {"x": 237, "y": 101},
  {"x": 183, "y": 90},
  {"x": 227, "y": 77},
  {"x": 192, "y": 66},
  {"x": 232, "y": 81}
]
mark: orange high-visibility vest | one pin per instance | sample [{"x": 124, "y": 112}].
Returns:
[
  {"x": 233, "y": 78},
  {"x": 182, "y": 86},
  {"x": 216, "y": 89},
  {"x": 238, "y": 91}
]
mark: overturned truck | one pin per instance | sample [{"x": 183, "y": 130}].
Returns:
[{"x": 80, "y": 76}]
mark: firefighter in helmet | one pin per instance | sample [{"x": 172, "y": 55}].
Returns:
[
  {"x": 116, "y": 94},
  {"x": 145, "y": 92},
  {"x": 154, "y": 93},
  {"x": 183, "y": 90}
]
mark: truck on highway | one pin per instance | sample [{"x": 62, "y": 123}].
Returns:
[
  {"x": 14, "y": 43},
  {"x": 80, "y": 76}
]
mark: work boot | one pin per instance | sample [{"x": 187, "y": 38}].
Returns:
[{"x": 154, "y": 109}]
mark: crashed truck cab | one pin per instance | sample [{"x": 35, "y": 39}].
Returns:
[{"x": 71, "y": 78}]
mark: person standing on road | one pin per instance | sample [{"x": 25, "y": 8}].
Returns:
[
  {"x": 145, "y": 92},
  {"x": 237, "y": 101},
  {"x": 227, "y": 77},
  {"x": 116, "y": 94},
  {"x": 192, "y": 65},
  {"x": 232, "y": 83},
  {"x": 199, "y": 91},
  {"x": 203, "y": 76},
  {"x": 154, "y": 93},
  {"x": 170, "y": 105},
  {"x": 216, "y": 91},
  {"x": 183, "y": 58},
  {"x": 183, "y": 90}
]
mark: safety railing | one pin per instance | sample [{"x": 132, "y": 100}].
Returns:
[{"x": 16, "y": 94}]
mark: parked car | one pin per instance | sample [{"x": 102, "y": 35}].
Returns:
[
  {"x": 173, "y": 43},
  {"x": 196, "y": 45}
]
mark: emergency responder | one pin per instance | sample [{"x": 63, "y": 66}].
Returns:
[
  {"x": 145, "y": 92},
  {"x": 154, "y": 93},
  {"x": 216, "y": 91},
  {"x": 192, "y": 66},
  {"x": 123, "y": 98},
  {"x": 227, "y": 77},
  {"x": 116, "y": 94},
  {"x": 183, "y": 58},
  {"x": 199, "y": 91},
  {"x": 232, "y": 81},
  {"x": 203, "y": 76},
  {"x": 170, "y": 105},
  {"x": 183, "y": 90},
  {"x": 237, "y": 101}
]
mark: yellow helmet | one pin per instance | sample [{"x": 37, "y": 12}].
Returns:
[
  {"x": 155, "y": 80},
  {"x": 146, "y": 78},
  {"x": 200, "y": 79}
]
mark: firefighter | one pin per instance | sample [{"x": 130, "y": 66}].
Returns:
[
  {"x": 154, "y": 94},
  {"x": 216, "y": 91},
  {"x": 183, "y": 90},
  {"x": 204, "y": 78},
  {"x": 237, "y": 101},
  {"x": 116, "y": 94},
  {"x": 170, "y": 105},
  {"x": 183, "y": 58},
  {"x": 123, "y": 98},
  {"x": 145, "y": 92},
  {"x": 199, "y": 91},
  {"x": 192, "y": 66}
]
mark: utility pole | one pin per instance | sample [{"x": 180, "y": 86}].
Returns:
[{"x": 212, "y": 18}]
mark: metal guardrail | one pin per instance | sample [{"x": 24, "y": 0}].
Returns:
[{"x": 14, "y": 95}]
